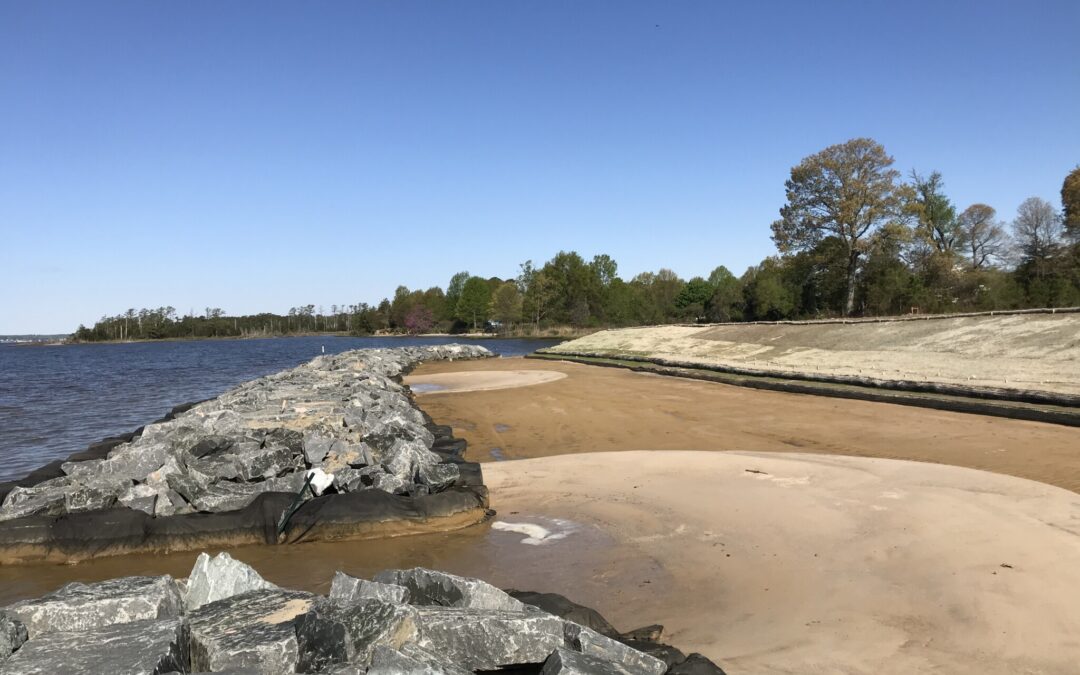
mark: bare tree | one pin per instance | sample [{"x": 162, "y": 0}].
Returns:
[
  {"x": 984, "y": 239},
  {"x": 1038, "y": 230}
]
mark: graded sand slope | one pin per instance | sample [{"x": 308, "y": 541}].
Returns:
[
  {"x": 772, "y": 563},
  {"x": 1029, "y": 351},
  {"x": 600, "y": 409},
  {"x": 480, "y": 380}
]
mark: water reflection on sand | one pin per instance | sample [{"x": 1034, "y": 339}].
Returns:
[{"x": 480, "y": 551}]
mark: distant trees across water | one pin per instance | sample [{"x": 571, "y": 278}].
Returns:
[{"x": 853, "y": 238}]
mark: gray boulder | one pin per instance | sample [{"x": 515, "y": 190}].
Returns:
[
  {"x": 316, "y": 447},
  {"x": 139, "y": 647},
  {"x": 43, "y": 499},
  {"x": 253, "y": 630},
  {"x": 94, "y": 495},
  {"x": 140, "y": 497},
  {"x": 430, "y": 587},
  {"x": 589, "y": 642},
  {"x": 388, "y": 482},
  {"x": 345, "y": 590},
  {"x": 79, "y": 607},
  {"x": 565, "y": 662},
  {"x": 12, "y": 635},
  {"x": 136, "y": 460},
  {"x": 695, "y": 664},
  {"x": 336, "y": 633},
  {"x": 220, "y": 577},
  {"x": 388, "y": 661},
  {"x": 438, "y": 477},
  {"x": 255, "y": 463},
  {"x": 479, "y": 639}
]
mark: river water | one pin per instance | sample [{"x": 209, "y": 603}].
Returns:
[{"x": 55, "y": 400}]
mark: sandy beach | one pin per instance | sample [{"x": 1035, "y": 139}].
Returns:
[
  {"x": 781, "y": 563},
  {"x": 605, "y": 409},
  {"x": 778, "y": 533}
]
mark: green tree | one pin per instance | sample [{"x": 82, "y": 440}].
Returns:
[
  {"x": 846, "y": 191},
  {"x": 506, "y": 303},
  {"x": 934, "y": 213},
  {"x": 767, "y": 296},
  {"x": 1070, "y": 203},
  {"x": 692, "y": 298},
  {"x": 472, "y": 306},
  {"x": 725, "y": 303},
  {"x": 453, "y": 293}
]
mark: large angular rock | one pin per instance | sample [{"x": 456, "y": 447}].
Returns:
[
  {"x": 696, "y": 664},
  {"x": 564, "y": 608},
  {"x": 480, "y": 639},
  {"x": 336, "y": 633},
  {"x": 316, "y": 447},
  {"x": 140, "y": 497},
  {"x": 389, "y": 661},
  {"x": 153, "y": 646},
  {"x": 12, "y": 635},
  {"x": 230, "y": 496},
  {"x": 136, "y": 460},
  {"x": 254, "y": 630},
  {"x": 78, "y": 606},
  {"x": 344, "y": 455},
  {"x": 220, "y": 577},
  {"x": 255, "y": 463},
  {"x": 94, "y": 495},
  {"x": 430, "y": 587},
  {"x": 44, "y": 499},
  {"x": 388, "y": 482},
  {"x": 345, "y": 590},
  {"x": 589, "y": 642},
  {"x": 438, "y": 477},
  {"x": 566, "y": 662}
]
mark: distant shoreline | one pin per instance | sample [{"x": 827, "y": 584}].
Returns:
[{"x": 557, "y": 335}]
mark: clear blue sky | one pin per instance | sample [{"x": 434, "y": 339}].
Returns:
[{"x": 256, "y": 156}]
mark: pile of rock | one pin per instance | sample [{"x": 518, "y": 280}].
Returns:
[
  {"x": 347, "y": 415},
  {"x": 225, "y": 617}
]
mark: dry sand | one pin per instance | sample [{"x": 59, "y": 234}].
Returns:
[
  {"x": 605, "y": 409},
  {"x": 817, "y": 564},
  {"x": 1031, "y": 351}
]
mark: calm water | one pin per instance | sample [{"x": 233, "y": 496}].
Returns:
[{"x": 56, "y": 400}]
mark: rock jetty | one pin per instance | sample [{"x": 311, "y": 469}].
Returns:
[
  {"x": 227, "y": 470},
  {"x": 225, "y": 618}
]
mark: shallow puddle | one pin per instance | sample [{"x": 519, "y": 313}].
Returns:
[{"x": 554, "y": 562}]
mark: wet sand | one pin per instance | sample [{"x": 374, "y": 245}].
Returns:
[
  {"x": 607, "y": 409},
  {"x": 795, "y": 563}
]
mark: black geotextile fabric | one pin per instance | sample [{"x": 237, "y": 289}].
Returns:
[{"x": 96, "y": 533}]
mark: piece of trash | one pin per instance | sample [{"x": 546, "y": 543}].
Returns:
[
  {"x": 756, "y": 471},
  {"x": 320, "y": 480},
  {"x": 1007, "y": 566}
]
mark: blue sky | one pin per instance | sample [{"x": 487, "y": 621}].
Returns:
[{"x": 257, "y": 156}]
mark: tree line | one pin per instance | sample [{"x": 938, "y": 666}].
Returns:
[{"x": 854, "y": 237}]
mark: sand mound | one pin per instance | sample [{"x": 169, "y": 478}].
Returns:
[
  {"x": 479, "y": 380},
  {"x": 807, "y": 563},
  {"x": 1032, "y": 352}
]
